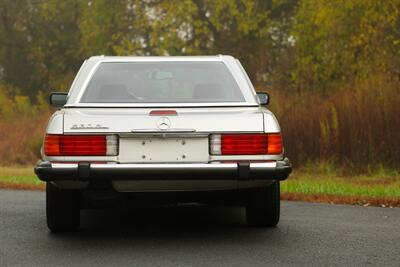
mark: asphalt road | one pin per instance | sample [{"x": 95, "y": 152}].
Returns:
[{"x": 308, "y": 235}]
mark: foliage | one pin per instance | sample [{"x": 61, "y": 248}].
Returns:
[
  {"x": 46, "y": 41},
  {"x": 287, "y": 44},
  {"x": 333, "y": 65},
  {"x": 355, "y": 126},
  {"x": 21, "y": 128},
  {"x": 339, "y": 42},
  {"x": 40, "y": 41}
]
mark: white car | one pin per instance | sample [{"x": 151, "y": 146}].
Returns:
[{"x": 159, "y": 129}]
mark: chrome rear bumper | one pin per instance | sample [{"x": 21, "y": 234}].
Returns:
[{"x": 85, "y": 171}]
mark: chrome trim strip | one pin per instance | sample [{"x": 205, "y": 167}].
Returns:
[
  {"x": 164, "y": 135},
  {"x": 167, "y": 167},
  {"x": 158, "y": 131},
  {"x": 256, "y": 166},
  {"x": 159, "y": 105},
  {"x": 69, "y": 166},
  {"x": 262, "y": 165}
]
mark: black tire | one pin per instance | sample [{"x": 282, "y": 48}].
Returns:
[
  {"x": 263, "y": 206},
  {"x": 62, "y": 208}
]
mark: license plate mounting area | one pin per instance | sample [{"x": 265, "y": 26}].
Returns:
[{"x": 164, "y": 150}]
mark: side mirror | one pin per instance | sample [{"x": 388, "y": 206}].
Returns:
[
  {"x": 58, "y": 99},
  {"x": 263, "y": 98}
]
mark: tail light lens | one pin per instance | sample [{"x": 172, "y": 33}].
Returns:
[
  {"x": 246, "y": 144},
  {"x": 81, "y": 145},
  {"x": 163, "y": 113}
]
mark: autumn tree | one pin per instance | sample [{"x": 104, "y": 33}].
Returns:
[{"x": 338, "y": 42}]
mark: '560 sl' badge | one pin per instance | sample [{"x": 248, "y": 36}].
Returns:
[
  {"x": 87, "y": 126},
  {"x": 163, "y": 123}
]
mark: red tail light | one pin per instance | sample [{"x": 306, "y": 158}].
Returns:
[
  {"x": 275, "y": 143},
  {"x": 246, "y": 144},
  {"x": 163, "y": 112},
  {"x": 80, "y": 145}
]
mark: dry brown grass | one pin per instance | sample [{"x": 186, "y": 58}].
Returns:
[
  {"x": 351, "y": 200},
  {"x": 352, "y": 127},
  {"x": 21, "y": 138},
  {"x": 22, "y": 186}
]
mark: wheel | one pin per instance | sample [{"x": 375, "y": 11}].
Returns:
[
  {"x": 263, "y": 206},
  {"x": 62, "y": 208}
]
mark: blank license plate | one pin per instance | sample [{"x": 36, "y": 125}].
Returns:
[{"x": 160, "y": 150}]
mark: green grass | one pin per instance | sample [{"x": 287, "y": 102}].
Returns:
[
  {"x": 381, "y": 183},
  {"x": 23, "y": 175},
  {"x": 339, "y": 187}
]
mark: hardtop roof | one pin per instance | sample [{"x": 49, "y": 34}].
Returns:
[{"x": 158, "y": 58}]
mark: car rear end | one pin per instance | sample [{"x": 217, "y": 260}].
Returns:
[{"x": 164, "y": 125}]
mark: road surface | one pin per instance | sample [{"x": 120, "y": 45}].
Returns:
[{"x": 308, "y": 235}]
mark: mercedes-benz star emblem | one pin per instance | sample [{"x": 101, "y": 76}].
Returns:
[{"x": 163, "y": 123}]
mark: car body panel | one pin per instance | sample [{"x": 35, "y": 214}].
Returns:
[
  {"x": 271, "y": 124},
  {"x": 174, "y": 144},
  {"x": 56, "y": 123},
  {"x": 120, "y": 120}
]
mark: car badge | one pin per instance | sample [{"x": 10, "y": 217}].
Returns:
[
  {"x": 88, "y": 127},
  {"x": 163, "y": 123}
]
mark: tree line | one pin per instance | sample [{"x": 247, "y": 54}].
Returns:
[
  {"x": 332, "y": 67},
  {"x": 298, "y": 45}
]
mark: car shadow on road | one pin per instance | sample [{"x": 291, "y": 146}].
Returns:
[
  {"x": 174, "y": 236},
  {"x": 184, "y": 222}
]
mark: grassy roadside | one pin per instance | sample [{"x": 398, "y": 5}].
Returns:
[
  {"x": 19, "y": 178},
  {"x": 379, "y": 188},
  {"x": 361, "y": 185}
]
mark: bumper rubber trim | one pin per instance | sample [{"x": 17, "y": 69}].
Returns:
[{"x": 85, "y": 171}]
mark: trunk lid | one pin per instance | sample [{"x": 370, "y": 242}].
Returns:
[{"x": 127, "y": 120}]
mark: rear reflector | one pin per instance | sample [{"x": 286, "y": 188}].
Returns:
[
  {"x": 80, "y": 145},
  {"x": 163, "y": 113},
  {"x": 246, "y": 144}
]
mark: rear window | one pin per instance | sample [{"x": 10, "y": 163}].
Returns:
[{"x": 162, "y": 82}]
